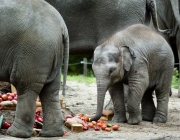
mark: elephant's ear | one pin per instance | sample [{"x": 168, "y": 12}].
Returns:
[{"x": 127, "y": 55}]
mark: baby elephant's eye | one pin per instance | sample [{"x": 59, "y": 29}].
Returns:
[{"x": 111, "y": 70}]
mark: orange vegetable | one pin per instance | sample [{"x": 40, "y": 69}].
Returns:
[
  {"x": 104, "y": 123},
  {"x": 103, "y": 127},
  {"x": 115, "y": 127},
  {"x": 99, "y": 124},
  {"x": 107, "y": 129},
  {"x": 94, "y": 122},
  {"x": 90, "y": 125},
  {"x": 99, "y": 121},
  {"x": 86, "y": 118}
]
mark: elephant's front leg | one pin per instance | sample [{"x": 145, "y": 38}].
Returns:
[
  {"x": 24, "y": 117},
  {"x": 133, "y": 106},
  {"x": 53, "y": 120},
  {"x": 117, "y": 96},
  {"x": 137, "y": 87}
]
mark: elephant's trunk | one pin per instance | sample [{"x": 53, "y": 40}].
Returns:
[{"x": 100, "y": 101}]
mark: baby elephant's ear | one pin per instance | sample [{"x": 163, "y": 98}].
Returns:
[{"x": 127, "y": 55}]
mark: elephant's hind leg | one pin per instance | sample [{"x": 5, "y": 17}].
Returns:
[
  {"x": 148, "y": 107},
  {"x": 24, "y": 117},
  {"x": 53, "y": 120},
  {"x": 162, "y": 94}
]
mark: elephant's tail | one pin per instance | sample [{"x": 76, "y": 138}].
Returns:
[
  {"x": 152, "y": 7},
  {"x": 175, "y": 7},
  {"x": 66, "y": 58}
]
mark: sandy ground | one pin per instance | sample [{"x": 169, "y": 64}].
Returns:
[{"x": 81, "y": 98}]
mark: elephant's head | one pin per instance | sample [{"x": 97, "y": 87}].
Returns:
[{"x": 109, "y": 65}]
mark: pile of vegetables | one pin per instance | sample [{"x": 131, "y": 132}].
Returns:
[
  {"x": 96, "y": 125},
  {"x": 38, "y": 121},
  {"x": 8, "y": 96}
]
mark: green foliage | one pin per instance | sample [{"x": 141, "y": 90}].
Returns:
[
  {"x": 81, "y": 79},
  {"x": 76, "y": 68},
  {"x": 175, "y": 80},
  {"x": 92, "y": 79}
]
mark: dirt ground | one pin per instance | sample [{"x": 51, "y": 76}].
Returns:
[{"x": 81, "y": 98}]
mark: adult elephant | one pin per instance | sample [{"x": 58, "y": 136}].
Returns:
[
  {"x": 169, "y": 17},
  {"x": 33, "y": 40},
  {"x": 90, "y": 22}
]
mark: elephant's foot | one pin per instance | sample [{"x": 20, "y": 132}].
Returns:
[
  {"x": 24, "y": 117},
  {"x": 146, "y": 117},
  {"x": 53, "y": 120},
  {"x": 55, "y": 129},
  {"x": 17, "y": 130},
  {"x": 134, "y": 119},
  {"x": 118, "y": 118},
  {"x": 160, "y": 118},
  {"x": 148, "y": 114}
]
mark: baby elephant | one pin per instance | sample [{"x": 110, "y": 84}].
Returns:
[{"x": 141, "y": 58}]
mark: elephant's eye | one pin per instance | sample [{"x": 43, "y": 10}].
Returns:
[{"x": 111, "y": 70}]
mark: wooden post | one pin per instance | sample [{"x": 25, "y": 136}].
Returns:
[{"x": 85, "y": 66}]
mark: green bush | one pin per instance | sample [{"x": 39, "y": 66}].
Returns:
[{"x": 175, "y": 80}]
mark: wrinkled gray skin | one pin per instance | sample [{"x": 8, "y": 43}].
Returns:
[
  {"x": 109, "y": 105},
  {"x": 33, "y": 37},
  {"x": 129, "y": 57},
  {"x": 169, "y": 17},
  {"x": 91, "y": 22}
]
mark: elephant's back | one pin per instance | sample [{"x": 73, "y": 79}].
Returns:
[
  {"x": 28, "y": 17},
  {"x": 144, "y": 38},
  {"x": 149, "y": 44},
  {"x": 91, "y": 22}
]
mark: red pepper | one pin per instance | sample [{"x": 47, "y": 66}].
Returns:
[
  {"x": 38, "y": 112},
  {"x": 85, "y": 127},
  {"x": 68, "y": 116},
  {"x": 96, "y": 128},
  {"x": 40, "y": 119},
  {"x": 6, "y": 125},
  {"x": 35, "y": 125},
  {"x": 36, "y": 117}
]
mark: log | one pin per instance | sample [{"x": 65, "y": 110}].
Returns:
[{"x": 74, "y": 127}]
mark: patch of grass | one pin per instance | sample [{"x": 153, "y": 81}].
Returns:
[
  {"x": 175, "y": 80},
  {"x": 81, "y": 79},
  {"x": 90, "y": 80}
]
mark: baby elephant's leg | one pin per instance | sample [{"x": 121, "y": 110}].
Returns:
[
  {"x": 117, "y": 96},
  {"x": 133, "y": 106},
  {"x": 162, "y": 93},
  {"x": 137, "y": 88},
  {"x": 147, "y": 105}
]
